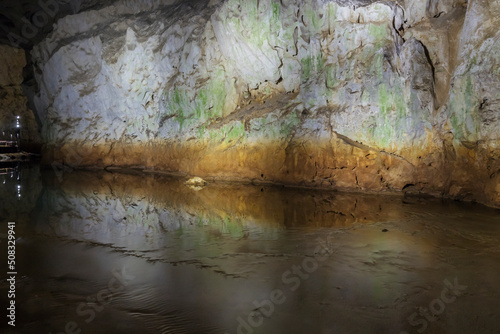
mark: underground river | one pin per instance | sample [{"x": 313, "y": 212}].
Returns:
[{"x": 109, "y": 252}]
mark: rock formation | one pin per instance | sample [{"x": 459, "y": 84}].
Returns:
[
  {"x": 13, "y": 101},
  {"x": 359, "y": 95}
]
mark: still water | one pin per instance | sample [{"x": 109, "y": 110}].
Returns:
[{"x": 101, "y": 252}]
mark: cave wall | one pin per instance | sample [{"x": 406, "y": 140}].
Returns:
[
  {"x": 363, "y": 95},
  {"x": 13, "y": 101}
]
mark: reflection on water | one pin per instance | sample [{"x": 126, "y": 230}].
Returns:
[
  {"x": 20, "y": 186},
  {"x": 12, "y": 173},
  {"x": 128, "y": 253}
]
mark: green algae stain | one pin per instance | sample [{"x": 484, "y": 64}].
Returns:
[
  {"x": 201, "y": 103},
  {"x": 332, "y": 16},
  {"x": 311, "y": 65},
  {"x": 201, "y": 131},
  {"x": 383, "y": 100},
  {"x": 207, "y": 103},
  {"x": 178, "y": 106},
  {"x": 306, "y": 68},
  {"x": 215, "y": 135},
  {"x": 399, "y": 101},
  {"x": 385, "y": 134},
  {"x": 464, "y": 117},
  {"x": 315, "y": 21},
  {"x": 265, "y": 127},
  {"x": 216, "y": 91},
  {"x": 289, "y": 124},
  {"x": 315, "y": 18},
  {"x": 254, "y": 24},
  {"x": 331, "y": 75},
  {"x": 379, "y": 34},
  {"x": 236, "y": 132},
  {"x": 377, "y": 31},
  {"x": 402, "y": 122},
  {"x": 474, "y": 61},
  {"x": 469, "y": 94},
  {"x": 248, "y": 7},
  {"x": 455, "y": 115},
  {"x": 378, "y": 66},
  {"x": 275, "y": 8},
  {"x": 381, "y": 127},
  {"x": 470, "y": 112}
]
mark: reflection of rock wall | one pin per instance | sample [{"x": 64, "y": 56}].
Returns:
[
  {"x": 12, "y": 99},
  {"x": 369, "y": 95},
  {"x": 136, "y": 212}
]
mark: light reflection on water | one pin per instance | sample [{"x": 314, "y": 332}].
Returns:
[{"x": 203, "y": 261}]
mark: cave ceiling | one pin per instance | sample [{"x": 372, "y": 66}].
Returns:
[{"x": 24, "y": 23}]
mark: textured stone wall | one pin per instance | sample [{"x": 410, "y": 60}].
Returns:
[
  {"x": 362, "y": 95},
  {"x": 13, "y": 101}
]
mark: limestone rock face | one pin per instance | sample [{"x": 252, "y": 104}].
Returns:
[
  {"x": 369, "y": 95},
  {"x": 473, "y": 106},
  {"x": 13, "y": 101}
]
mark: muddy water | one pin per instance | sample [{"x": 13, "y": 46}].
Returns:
[{"x": 130, "y": 253}]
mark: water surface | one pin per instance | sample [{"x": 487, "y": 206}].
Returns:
[{"x": 101, "y": 252}]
